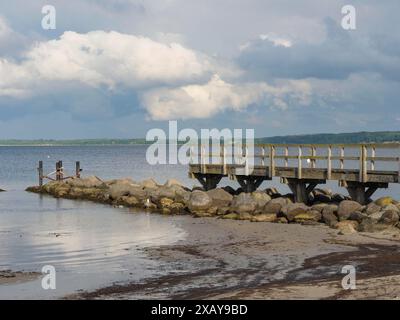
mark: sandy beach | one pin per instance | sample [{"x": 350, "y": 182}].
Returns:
[{"x": 242, "y": 260}]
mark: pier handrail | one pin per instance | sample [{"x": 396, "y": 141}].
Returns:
[{"x": 366, "y": 162}]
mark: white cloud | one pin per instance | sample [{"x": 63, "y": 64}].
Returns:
[
  {"x": 204, "y": 101},
  {"x": 276, "y": 40},
  {"x": 103, "y": 58}
]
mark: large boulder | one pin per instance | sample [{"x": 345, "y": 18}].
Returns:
[
  {"x": 89, "y": 182},
  {"x": 129, "y": 201},
  {"x": 199, "y": 201},
  {"x": 275, "y": 205},
  {"x": 243, "y": 202},
  {"x": 358, "y": 216},
  {"x": 220, "y": 197},
  {"x": 319, "y": 207},
  {"x": 61, "y": 190},
  {"x": 123, "y": 188},
  {"x": 149, "y": 184},
  {"x": 346, "y": 208},
  {"x": 329, "y": 218},
  {"x": 372, "y": 208},
  {"x": 261, "y": 198},
  {"x": 384, "y": 201},
  {"x": 389, "y": 217},
  {"x": 391, "y": 207},
  {"x": 371, "y": 225},
  {"x": 293, "y": 209}
]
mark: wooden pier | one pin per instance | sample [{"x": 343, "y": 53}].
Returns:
[{"x": 357, "y": 167}]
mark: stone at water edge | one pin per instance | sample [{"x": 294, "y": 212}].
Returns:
[
  {"x": 220, "y": 197},
  {"x": 89, "y": 182},
  {"x": 199, "y": 201},
  {"x": 346, "y": 208}
]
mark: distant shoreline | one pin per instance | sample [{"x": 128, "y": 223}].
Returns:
[{"x": 320, "y": 138}]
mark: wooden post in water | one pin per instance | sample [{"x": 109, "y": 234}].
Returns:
[
  {"x": 60, "y": 166},
  {"x": 77, "y": 169},
  {"x": 40, "y": 172},
  {"x": 57, "y": 170}
]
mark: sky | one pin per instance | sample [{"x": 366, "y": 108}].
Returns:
[{"x": 118, "y": 68}]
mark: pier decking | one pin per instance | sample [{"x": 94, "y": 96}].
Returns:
[{"x": 360, "y": 168}]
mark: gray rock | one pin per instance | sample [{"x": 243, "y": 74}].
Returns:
[
  {"x": 89, "y": 182},
  {"x": 376, "y": 216},
  {"x": 261, "y": 198},
  {"x": 346, "y": 208},
  {"x": 308, "y": 216},
  {"x": 220, "y": 197},
  {"x": 149, "y": 184},
  {"x": 121, "y": 189},
  {"x": 329, "y": 218},
  {"x": 331, "y": 209},
  {"x": 372, "y": 208},
  {"x": 199, "y": 201},
  {"x": 292, "y": 210},
  {"x": 389, "y": 217},
  {"x": 275, "y": 205},
  {"x": 358, "y": 216},
  {"x": 244, "y": 202},
  {"x": 319, "y": 207},
  {"x": 371, "y": 225}
]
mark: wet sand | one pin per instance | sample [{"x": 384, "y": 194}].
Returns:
[
  {"x": 12, "y": 277},
  {"x": 223, "y": 259}
]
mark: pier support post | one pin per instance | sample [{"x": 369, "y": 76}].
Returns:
[
  {"x": 362, "y": 191},
  {"x": 78, "y": 169},
  {"x": 249, "y": 183},
  {"x": 208, "y": 181},
  {"x": 302, "y": 188},
  {"x": 40, "y": 172},
  {"x": 59, "y": 171}
]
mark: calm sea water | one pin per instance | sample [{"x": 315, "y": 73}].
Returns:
[{"x": 90, "y": 245}]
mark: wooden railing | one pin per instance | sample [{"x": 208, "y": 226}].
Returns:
[{"x": 365, "y": 154}]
